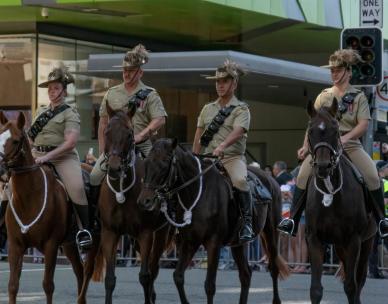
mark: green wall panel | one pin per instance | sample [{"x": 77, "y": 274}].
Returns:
[{"x": 10, "y": 2}]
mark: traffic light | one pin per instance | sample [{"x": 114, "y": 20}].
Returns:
[{"x": 369, "y": 43}]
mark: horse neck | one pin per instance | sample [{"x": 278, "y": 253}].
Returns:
[{"x": 187, "y": 167}]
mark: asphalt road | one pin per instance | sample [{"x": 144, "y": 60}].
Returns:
[{"x": 295, "y": 290}]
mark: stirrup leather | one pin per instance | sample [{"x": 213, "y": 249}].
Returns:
[
  {"x": 84, "y": 243},
  {"x": 382, "y": 235},
  {"x": 285, "y": 231}
]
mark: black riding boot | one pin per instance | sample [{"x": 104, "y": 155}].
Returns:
[
  {"x": 245, "y": 202},
  {"x": 94, "y": 194},
  {"x": 378, "y": 211},
  {"x": 3, "y": 208},
  {"x": 84, "y": 237},
  {"x": 290, "y": 225}
]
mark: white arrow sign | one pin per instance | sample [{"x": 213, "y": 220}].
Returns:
[{"x": 371, "y": 13}]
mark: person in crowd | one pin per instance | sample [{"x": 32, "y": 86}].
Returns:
[
  {"x": 222, "y": 130},
  {"x": 54, "y": 134},
  {"x": 150, "y": 114},
  {"x": 353, "y": 116},
  {"x": 280, "y": 172}
]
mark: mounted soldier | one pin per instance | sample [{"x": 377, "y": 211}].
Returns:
[
  {"x": 353, "y": 116},
  {"x": 222, "y": 131},
  {"x": 131, "y": 94}
]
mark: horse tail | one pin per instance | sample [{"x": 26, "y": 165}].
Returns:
[
  {"x": 280, "y": 262},
  {"x": 99, "y": 267}
]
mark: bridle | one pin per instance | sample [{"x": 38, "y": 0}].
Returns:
[
  {"x": 127, "y": 162},
  {"x": 335, "y": 155},
  {"x": 10, "y": 162},
  {"x": 166, "y": 192}
]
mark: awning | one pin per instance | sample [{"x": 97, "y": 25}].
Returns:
[{"x": 269, "y": 80}]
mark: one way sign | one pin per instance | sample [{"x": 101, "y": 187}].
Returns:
[{"x": 371, "y": 13}]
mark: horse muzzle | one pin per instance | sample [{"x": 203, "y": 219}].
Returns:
[{"x": 147, "y": 200}]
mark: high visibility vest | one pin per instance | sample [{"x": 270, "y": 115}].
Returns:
[{"x": 385, "y": 181}]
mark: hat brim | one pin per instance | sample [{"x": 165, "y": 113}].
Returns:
[
  {"x": 214, "y": 77},
  {"x": 328, "y": 66},
  {"x": 46, "y": 83},
  {"x": 127, "y": 66}
]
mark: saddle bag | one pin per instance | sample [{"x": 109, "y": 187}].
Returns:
[{"x": 260, "y": 193}]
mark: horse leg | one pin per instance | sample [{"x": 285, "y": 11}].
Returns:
[
  {"x": 213, "y": 256},
  {"x": 362, "y": 269},
  {"x": 186, "y": 252},
  {"x": 145, "y": 279},
  {"x": 15, "y": 260},
  {"x": 160, "y": 241},
  {"x": 72, "y": 254},
  {"x": 109, "y": 241},
  {"x": 316, "y": 253},
  {"x": 352, "y": 256},
  {"x": 50, "y": 260},
  {"x": 244, "y": 271},
  {"x": 270, "y": 238}
]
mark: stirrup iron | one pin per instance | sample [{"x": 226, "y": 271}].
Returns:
[
  {"x": 292, "y": 229},
  {"x": 84, "y": 243}
]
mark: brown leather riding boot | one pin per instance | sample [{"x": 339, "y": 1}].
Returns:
[
  {"x": 378, "y": 212},
  {"x": 290, "y": 225}
]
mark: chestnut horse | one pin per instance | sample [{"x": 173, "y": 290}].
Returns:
[
  {"x": 119, "y": 211},
  {"x": 38, "y": 214},
  {"x": 207, "y": 214},
  {"x": 335, "y": 208}
]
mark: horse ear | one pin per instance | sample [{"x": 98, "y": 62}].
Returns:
[
  {"x": 334, "y": 107},
  {"x": 311, "y": 109},
  {"x": 21, "y": 121},
  {"x": 109, "y": 110},
  {"x": 3, "y": 119},
  {"x": 174, "y": 143}
]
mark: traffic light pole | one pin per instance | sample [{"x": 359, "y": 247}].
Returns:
[{"x": 367, "y": 139}]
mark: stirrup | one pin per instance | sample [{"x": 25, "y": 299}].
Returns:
[
  {"x": 84, "y": 239},
  {"x": 285, "y": 231},
  {"x": 382, "y": 235}
]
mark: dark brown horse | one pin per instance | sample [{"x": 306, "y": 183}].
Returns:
[
  {"x": 206, "y": 214},
  {"x": 119, "y": 211},
  {"x": 335, "y": 210},
  {"x": 38, "y": 214}
]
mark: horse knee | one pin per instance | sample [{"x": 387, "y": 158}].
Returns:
[
  {"x": 144, "y": 278},
  {"x": 48, "y": 287},
  {"x": 178, "y": 279},
  {"x": 110, "y": 282}
]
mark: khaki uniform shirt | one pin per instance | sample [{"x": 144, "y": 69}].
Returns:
[
  {"x": 358, "y": 111},
  {"x": 149, "y": 109},
  {"x": 53, "y": 133},
  {"x": 240, "y": 116}
]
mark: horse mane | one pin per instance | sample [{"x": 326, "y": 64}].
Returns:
[{"x": 122, "y": 117}]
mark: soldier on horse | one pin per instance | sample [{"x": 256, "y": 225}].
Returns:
[
  {"x": 222, "y": 131},
  {"x": 353, "y": 117}
]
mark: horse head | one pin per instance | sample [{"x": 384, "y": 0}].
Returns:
[
  {"x": 324, "y": 138},
  {"x": 160, "y": 173},
  {"x": 14, "y": 145},
  {"x": 119, "y": 141}
]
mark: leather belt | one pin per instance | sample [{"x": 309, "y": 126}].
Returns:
[{"x": 44, "y": 148}]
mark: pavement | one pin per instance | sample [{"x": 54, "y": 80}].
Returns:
[{"x": 294, "y": 290}]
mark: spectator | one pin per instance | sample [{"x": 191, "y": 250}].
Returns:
[
  {"x": 280, "y": 172},
  {"x": 268, "y": 170}
]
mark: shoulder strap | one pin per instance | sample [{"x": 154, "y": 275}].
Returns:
[
  {"x": 215, "y": 125},
  {"x": 140, "y": 96},
  {"x": 42, "y": 120}
]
